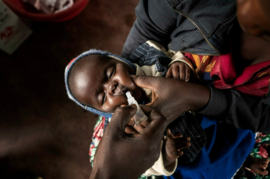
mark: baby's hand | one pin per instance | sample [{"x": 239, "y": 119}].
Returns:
[
  {"x": 174, "y": 144},
  {"x": 179, "y": 70}
]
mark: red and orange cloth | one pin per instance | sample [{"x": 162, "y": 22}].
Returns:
[{"x": 220, "y": 70}]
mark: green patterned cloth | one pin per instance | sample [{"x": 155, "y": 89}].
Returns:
[{"x": 145, "y": 177}]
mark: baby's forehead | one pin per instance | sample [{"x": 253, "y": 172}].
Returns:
[
  {"x": 92, "y": 60},
  {"x": 86, "y": 74},
  {"x": 87, "y": 66}
]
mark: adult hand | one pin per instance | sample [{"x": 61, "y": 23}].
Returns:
[
  {"x": 121, "y": 155},
  {"x": 173, "y": 97}
]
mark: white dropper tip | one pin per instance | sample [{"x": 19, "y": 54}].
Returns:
[
  {"x": 139, "y": 116},
  {"x": 128, "y": 94}
]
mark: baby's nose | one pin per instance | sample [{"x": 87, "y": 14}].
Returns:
[{"x": 112, "y": 87}]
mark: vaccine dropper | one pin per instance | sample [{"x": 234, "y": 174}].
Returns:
[{"x": 139, "y": 116}]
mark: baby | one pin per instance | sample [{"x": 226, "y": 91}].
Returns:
[
  {"x": 112, "y": 73},
  {"x": 98, "y": 82}
]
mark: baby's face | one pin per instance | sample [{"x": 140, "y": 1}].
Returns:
[{"x": 102, "y": 83}]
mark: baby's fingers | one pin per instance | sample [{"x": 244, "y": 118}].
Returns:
[
  {"x": 169, "y": 73},
  {"x": 181, "y": 139},
  {"x": 187, "y": 73},
  {"x": 178, "y": 153},
  {"x": 169, "y": 134},
  {"x": 183, "y": 145},
  {"x": 264, "y": 163},
  {"x": 175, "y": 71},
  {"x": 182, "y": 72}
]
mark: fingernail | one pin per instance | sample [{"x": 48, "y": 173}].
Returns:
[
  {"x": 178, "y": 135},
  {"x": 181, "y": 153},
  {"x": 133, "y": 106},
  {"x": 188, "y": 138}
]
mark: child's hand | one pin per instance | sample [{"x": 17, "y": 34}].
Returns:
[
  {"x": 174, "y": 144},
  {"x": 179, "y": 70}
]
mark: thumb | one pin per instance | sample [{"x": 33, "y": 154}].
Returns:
[
  {"x": 169, "y": 134},
  {"x": 120, "y": 120},
  {"x": 148, "y": 82}
]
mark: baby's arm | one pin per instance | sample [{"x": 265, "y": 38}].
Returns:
[
  {"x": 179, "y": 70},
  {"x": 172, "y": 149},
  {"x": 167, "y": 162}
]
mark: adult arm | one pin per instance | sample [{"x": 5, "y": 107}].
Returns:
[
  {"x": 241, "y": 110},
  {"x": 119, "y": 154},
  {"x": 155, "y": 21},
  {"x": 172, "y": 97}
]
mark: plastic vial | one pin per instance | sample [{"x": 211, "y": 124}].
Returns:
[{"x": 139, "y": 116}]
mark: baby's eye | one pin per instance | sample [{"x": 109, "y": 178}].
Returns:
[
  {"x": 103, "y": 98},
  {"x": 112, "y": 72}
]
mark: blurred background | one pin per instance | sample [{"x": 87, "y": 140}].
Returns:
[{"x": 43, "y": 133}]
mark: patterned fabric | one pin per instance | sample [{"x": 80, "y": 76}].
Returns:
[
  {"x": 261, "y": 150},
  {"x": 145, "y": 177},
  {"x": 97, "y": 135},
  {"x": 261, "y": 146},
  {"x": 147, "y": 55},
  {"x": 220, "y": 72},
  {"x": 188, "y": 126}
]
